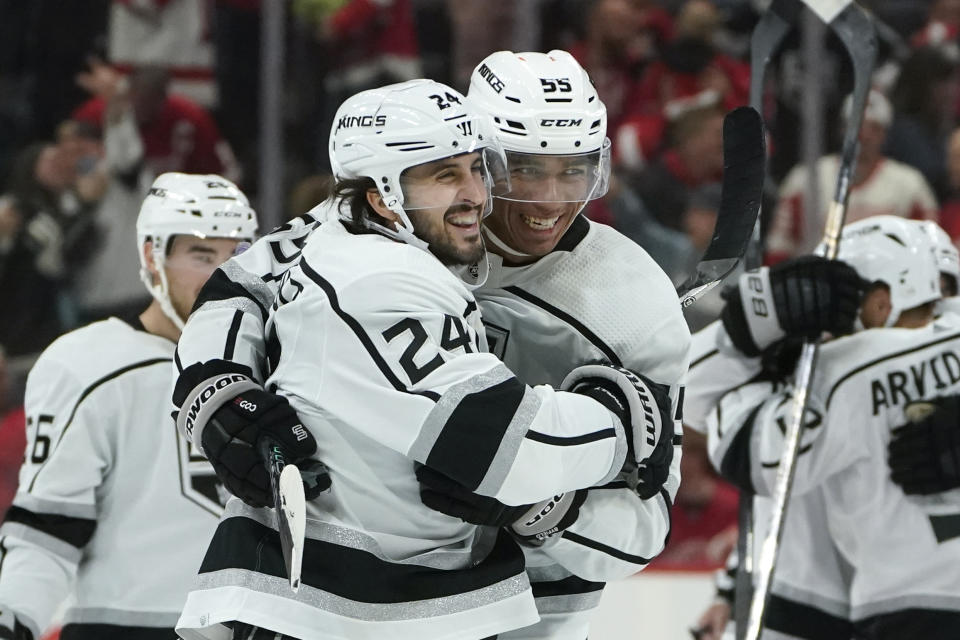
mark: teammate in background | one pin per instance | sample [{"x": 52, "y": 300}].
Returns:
[
  {"x": 809, "y": 597},
  {"x": 924, "y": 458},
  {"x": 904, "y": 368},
  {"x": 393, "y": 376},
  {"x": 108, "y": 490}
]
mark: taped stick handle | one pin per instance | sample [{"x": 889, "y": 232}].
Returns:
[{"x": 289, "y": 505}]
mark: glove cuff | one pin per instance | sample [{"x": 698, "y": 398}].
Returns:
[
  {"x": 646, "y": 419},
  {"x": 203, "y": 400},
  {"x": 549, "y": 517},
  {"x": 750, "y": 316}
]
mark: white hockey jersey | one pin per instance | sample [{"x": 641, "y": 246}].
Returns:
[
  {"x": 380, "y": 351},
  {"x": 598, "y": 297},
  {"x": 810, "y": 589},
  {"x": 904, "y": 551},
  {"x": 112, "y": 507}
]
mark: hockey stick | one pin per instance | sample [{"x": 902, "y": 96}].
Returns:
[
  {"x": 767, "y": 37},
  {"x": 290, "y": 505},
  {"x": 744, "y": 162},
  {"x": 855, "y": 29}
]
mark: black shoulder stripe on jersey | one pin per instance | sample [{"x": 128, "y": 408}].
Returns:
[
  {"x": 863, "y": 367},
  {"x": 232, "y": 335},
  {"x": 471, "y": 437},
  {"x": 571, "y": 441},
  {"x": 603, "y": 548},
  {"x": 220, "y": 287},
  {"x": 805, "y": 621},
  {"x": 243, "y": 543},
  {"x": 570, "y": 320},
  {"x": 89, "y": 631},
  {"x": 704, "y": 357},
  {"x": 735, "y": 466},
  {"x": 361, "y": 334},
  {"x": 3, "y": 553},
  {"x": 571, "y": 585},
  {"x": 574, "y": 235},
  {"x": 74, "y": 531},
  {"x": 83, "y": 396}
]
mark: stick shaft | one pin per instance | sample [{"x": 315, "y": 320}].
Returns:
[{"x": 856, "y": 31}]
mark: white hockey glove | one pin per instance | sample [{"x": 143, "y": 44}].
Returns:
[
  {"x": 802, "y": 297},
  {"x": 644, "y": 408},
  {"x": 530, "y": 522},
  {"x": 11, "y": 627},
  {"x": 225, "y": 412}
]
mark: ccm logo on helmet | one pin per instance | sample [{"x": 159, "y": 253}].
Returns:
[
  {"x": 560, "y": 122},
  {"x": 204, "y": 396},
  {"x": 361, "y": 121}
]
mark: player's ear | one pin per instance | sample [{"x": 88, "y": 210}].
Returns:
[
  {"x": 147, "y": 250},
  {"x": 375, "y": 200},
  {"x": 875, "y": 307}
]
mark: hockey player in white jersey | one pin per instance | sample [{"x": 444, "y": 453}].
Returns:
[
  {"x": 387, "y": 374},
  {"x": 903, "y": 368},
  {"x": 809, "y": 596},
  {"x": 563, "y": 292},
  {"x": 925, "y": 458},
  {"x": 109, "y": 493}
]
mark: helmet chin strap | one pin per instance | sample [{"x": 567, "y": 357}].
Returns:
[
  {"x": 161, "y": 292},
  {"x": 502, "y": 246}
]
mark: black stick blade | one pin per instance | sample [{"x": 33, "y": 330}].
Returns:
[{"x": 744, "y": 167}]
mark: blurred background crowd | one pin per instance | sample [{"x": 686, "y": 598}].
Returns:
[{"x": 97, "y": 97}]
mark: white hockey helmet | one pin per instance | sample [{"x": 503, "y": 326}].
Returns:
[
  {"x": 896, "y": 252},
  {"x": 382, "y": 132},
  {"x": 545, "y": 104},
  {"x": 948, "y": 258},
  {"x": 205, "y": 206}
]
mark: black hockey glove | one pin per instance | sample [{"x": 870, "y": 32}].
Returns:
[
  {"x": 644, "y": 408},
  {"x": 11, "y": 627},
  {"x": 802, "y": 297},
  {"x": 924, "y": 454},
  {"x": 226, "y": 412},
  {"x": 529, "y": 522}
]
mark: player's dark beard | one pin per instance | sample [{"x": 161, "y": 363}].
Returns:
[{"x": 439, "y": 244}]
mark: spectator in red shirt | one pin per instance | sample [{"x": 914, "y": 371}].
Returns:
[{"x": 178, "y": 134}]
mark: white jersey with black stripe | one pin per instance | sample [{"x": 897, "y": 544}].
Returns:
[
  {"x": 109, "y": 491},
  {"x": 903, "y": 550},
  {"x": 810, "y": 590},
  {"x": 598, "y": 297},
  {"x": 380, "y": 350}
]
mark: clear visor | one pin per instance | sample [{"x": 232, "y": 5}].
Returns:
[
  {"x": 575, "y": 177},
  {"x": 198, "y": 257},
  {"x": 465, "y": 181}
]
